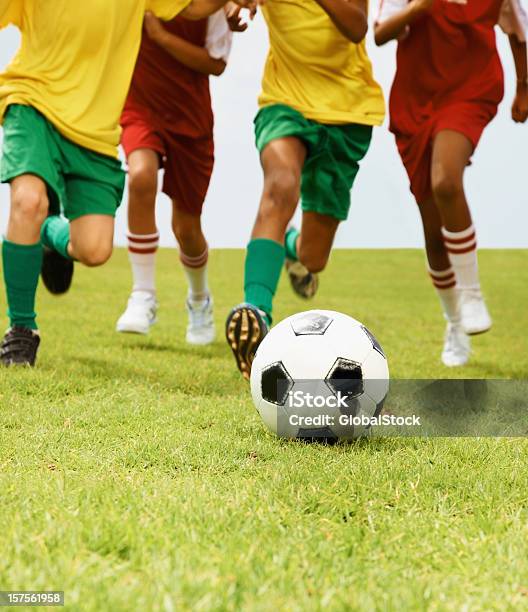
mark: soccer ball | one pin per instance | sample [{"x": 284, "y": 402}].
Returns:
[{"x": 319, "y": 375}]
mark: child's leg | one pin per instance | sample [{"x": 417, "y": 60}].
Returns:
[
  {"x": 194, "y": 255},
  {"x": 143, "y": 236},
  {"x": 440, "y": 269},
  {"x": 282, "y": 162},
  {"x": 315, "y": 240},
  {"x": 91, "y": 239},
  {"x": 307, "y": 251},
  {"x": 194, "y": 252},
  {"x": 21, "y": 249},
  {"x": 456, "y": 349},
  {"x": 451, "y": 154}
]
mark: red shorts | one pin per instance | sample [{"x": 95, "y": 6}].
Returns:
[
  {"x": 469, "y": 119},
  {"x": 188, "y": 162}
]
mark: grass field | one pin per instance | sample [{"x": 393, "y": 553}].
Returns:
[{"x": 135, "y": 473}]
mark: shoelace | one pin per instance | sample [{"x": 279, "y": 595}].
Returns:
[
  {"x": 199, "y": 317},
  {"x": 137, "y": 305}
]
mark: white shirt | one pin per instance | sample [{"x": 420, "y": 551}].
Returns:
[{"x": 219, "y": 37}]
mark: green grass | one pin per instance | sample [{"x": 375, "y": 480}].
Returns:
[{"x": 135, "y": 473}]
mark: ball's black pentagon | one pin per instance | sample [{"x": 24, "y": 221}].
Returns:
[
  {"x": 346, "y": 377},
  {"x": 275, "y": 384},
  {"x": 311, "y": 324},
  {"x": 375, "y": 344},
  {"x": 324, "y": 435}
]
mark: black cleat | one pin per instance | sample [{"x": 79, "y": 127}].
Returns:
[
  {"x": 19, "y": 347},
  {"x": 303, "y": 282},
  {"x": 56, "y": 272},
  {"x": 246, "y": 327}
]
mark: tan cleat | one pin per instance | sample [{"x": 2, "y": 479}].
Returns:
[{"x": 303, "y": 282}]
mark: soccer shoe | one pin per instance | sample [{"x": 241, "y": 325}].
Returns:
[
  {"x": 475, "y": 316},
  {"x": 457, "y": 347},
  {"x": 56, "y": 272},
  {"x": 201, "y": 329},
  {"x": 303, "y": 282},
  {"x": 19, "y": 347},
  {"x": 246, "y": 327},
  {"x": 139, "y": 315}
]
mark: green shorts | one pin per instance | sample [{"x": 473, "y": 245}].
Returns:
[
  {"x": 79, "y": 181},
  {"x": 332, "y": 163}
]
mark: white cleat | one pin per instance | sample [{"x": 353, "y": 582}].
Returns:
[
  {"x": 140, "y": 314},
  {"x": 475, "y": 316},
  {"x": 201, "y": 329},
  {"x": 457, "y": 346}
]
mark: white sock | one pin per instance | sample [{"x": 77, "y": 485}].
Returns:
[
  {"x": 462, "y": 249},
  {"x": 196, "y": 272},
  {"x": 142, "y": 255},
  {"x": 445, "y": 284}
]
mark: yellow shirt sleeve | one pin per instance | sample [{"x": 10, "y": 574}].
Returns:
[
  {"x": 10, "y": 12},
  {"x": 166, "y": 9}
]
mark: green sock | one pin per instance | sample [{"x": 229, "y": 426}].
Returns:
[
  {"x": 21, "y": 274},
  {"x": 55, "y": 234},
  {"x": 264, "y": 261},
  {"x": 290, "y": 243}
]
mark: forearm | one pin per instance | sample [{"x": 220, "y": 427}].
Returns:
[
  {"x": 349, "y": 16},
  {"x": 200, "y": 9},
  {"x": 394, "y": 27},
  {"x": 192, "y": 56},
  {"x": 519, "y": 53}
]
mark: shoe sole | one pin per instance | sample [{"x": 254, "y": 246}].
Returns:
[
  {"x": 205, "y": 342},
  {"x": 455, "y": 365},
  {"x": 478, "y": 332},
  {"x": 56, "y": 272},
  {"x": 244, "y": 335},
  {"x": 299, "y": 292},
  {"x": 134, "y": 330}
]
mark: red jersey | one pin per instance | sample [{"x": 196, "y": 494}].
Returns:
[
  {"x": 176, "y": 96},
  {"x": 449, "y": 76},
  {"x": 448, "y": 56}
]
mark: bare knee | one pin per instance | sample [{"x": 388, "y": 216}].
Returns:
[
  {"x": 143, "y": 180},
  {"x": 283, "y": 186},
  {"x": 281, "y": 195},
  {"x": 29, "y": 203},
  {"x": 93, "y": 253},
  {"x": 447, "y": 188}
]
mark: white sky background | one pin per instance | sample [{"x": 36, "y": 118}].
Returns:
[{"x": 383, "y": 213}]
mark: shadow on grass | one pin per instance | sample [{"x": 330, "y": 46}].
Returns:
[{"x": 188, "y": 382}]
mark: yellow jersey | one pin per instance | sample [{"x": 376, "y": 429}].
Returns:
[
  {"x": 316, "y": 70},
  {"x": 75, "y": 62}
]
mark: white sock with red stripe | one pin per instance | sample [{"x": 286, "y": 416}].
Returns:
[
  {"x": 445, "y": 285},
  {"x": 462, "y": 249},
  {"x": 196, "y": 272},
  {"x": 142, "y": 255}
]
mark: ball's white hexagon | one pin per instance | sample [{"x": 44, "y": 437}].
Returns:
[
  {"x": 376, "y": 376},
  {"x": 307, "y": 357},
  {"x": 349, "y": 341}
]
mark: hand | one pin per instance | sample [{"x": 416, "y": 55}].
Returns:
[
  {"x": 251, "y": 5},
  {"x": 235, "y": 21},
  {"x": 154, "y": 27},
  {"x": 421, "y": 6},
  {"x": 520, "y": 104}
]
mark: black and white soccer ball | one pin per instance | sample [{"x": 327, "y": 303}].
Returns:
[{"x": 330, "y": 357}]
